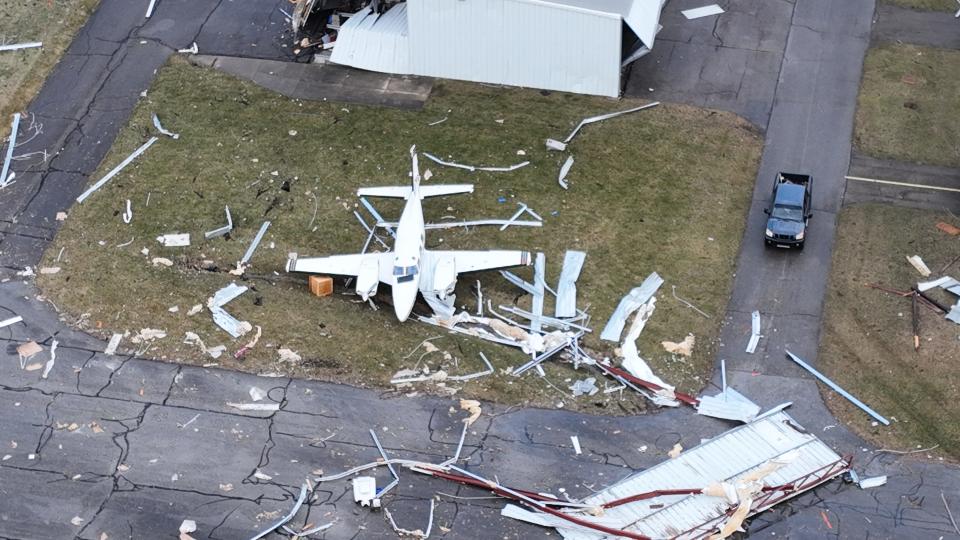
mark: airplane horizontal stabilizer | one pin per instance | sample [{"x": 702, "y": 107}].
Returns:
[
  {"x": 444, "y": 189},
  {"x": 393, "y": 192}
]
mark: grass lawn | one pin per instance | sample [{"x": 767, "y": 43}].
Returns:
[
  {"x": 663, "y": 190},
  {"x": 53, "y": 22},
  {"x": 868, "y": 342},
  {"x": 909, "y": 105},
  {"x": 926, "y": 5}
]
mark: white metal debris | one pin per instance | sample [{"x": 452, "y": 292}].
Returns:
[
  {"x": 174, "y": 239},
  {"x": 603, "y": 117},
  {"x": 11, "y": 320},
  {"x": 918, "y": 263},
  {"x": 296, "y": 507},
  {"x": 156, "y": 124},
  {"x": 188, "y": 526},
  {"x": 257, "y": 393},
  {"x": 4, "y": 180},
  {"x": 553, "y": 144},
  {"x": 462, "y": 378},
  {"x": 365, "y": 491},
  {"x": 539, "y": 286},
  {"x": 729, "y": 405},
  {"x": 566, "y": 304},
  {"x": 473, "y": 168},
  {"x": 754, "y": 332},
  {"x": 18, "y": 46},
  {"x": 406, "y": 532},
  {"x": 222, "y": 230},
  {"x": 823, "y": 378},
  {"x": 946, "y": 282},
  {"x": 192, "y": 49},
  {"x": 704, "y": 11},
  {"x": 256, "y": 242},
  {"x": 53, "y": 358},
  {"x": 223, "y": 319},
  {"x": 113, "y": 344},
  {"x": 742, "y": 471},
  {"x": 150, "y": 8},
  {"x": 584, "y": 387},
  {"x": 266, "y": 407},
  {"x": 876, "y": 481},
  {"x": 128, "y": 213},
  {"x": 576, "y": 444},
  {"x": 522, "y": 210},
  {"x": 637, "y": 366},
  {"x": 630, "y": 303},
  {"x": 564, "y": 170},
  {"x": 113, "y": 172}
]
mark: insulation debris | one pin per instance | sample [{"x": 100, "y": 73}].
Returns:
[
  {"x": 288, "y": 356},
  {"x": 113, "y": 344},
  {"x": 156, "y": 124},
  {"x": 473, "y": 407},
  {"x": 256, "y": 242},
  {"x": 918, "y": 263},
  {"x": 266, "y": 407},
  {"x": 704, "y": 11},
  {"x": 161, "y": 261},
  {"x": 11, "y": 144},
  {"x": 148, "y": 334},
  {"x": 823, "y": 378},
  {"x": 113, "y": 172},
  {"x": 472, "y": 168},
  {"x": 191, "y": 338},
  {"x": 630, "y": 303},
  {"x": 27, "y": 351},
  {"x": 222, "y": 230},
  {"x": 675, "y": 451},
  {"x": 684, "y": 348},
  {"x": 754, "y": 332},
  {"x": 564, "y": 171},
  {"x": 174, "y": 240}
]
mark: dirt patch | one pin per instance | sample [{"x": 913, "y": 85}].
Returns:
[
  {"x": 868, "y": 337},
  {"x": 664, "y": 190}
]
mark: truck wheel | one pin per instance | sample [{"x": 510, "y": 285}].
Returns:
[{"x": 800, "y": 247}]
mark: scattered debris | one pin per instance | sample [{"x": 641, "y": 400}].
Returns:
[
  {"x": 268, "y": 407},
  {"x": 150, "y": 8},
  {"x": 523, "y": 209},
  {"x": 564, "y": 170},
  {"x": 876, "y": 481},
  {"x": 148, "y": 334},
  {"x": 463, "y": 378},
  {"x": 823, "y": 378},
  {"x": 675, "y": 451},
  {"x": 11, "y": 144},
  {"x": 257, "y": 394},
  {"x": 472, "y": 407},
  {"x": 365, "y": 491},
  {"x": 754, "y": 332},
  {"x": 704, "y": 11},
  {"x": 686, "y": 303},
  {"x": 174, "y": 240},
  {"x": 684, "y": 348},
  {"x": 918, "y": 263},
  {"x": 566, "y": 303},
  {"x": 77, "y": 520},
  {"x": 221, "y": 318},
  {"x": 630, "y": 303},
  {"x": 948, "y": 228},
  {"x": 53, "y": 358},
  {"x": 556, "y": 145},
  {"x": 600, "y": 118},
  {"x": 188, "y": 526},
  {"x": 287, "y": 355},
  {"x": 320, "y": 285},
  {"x": 472, "y": 168},
  {"x": 61, "y": 216},
  {"x": 405, "y": 532},
  {"x": 128, "y": 213},
  {"x": 106, "y": 178},
  {"x": 161, "y": 261},
  {"x": 50, "y": 270},
  {"x": 440, "y": 121},
  {"x": 156, "y": 122},
  {"x": 113, "y": 344},
  {"x": 288, "y": 517},
  {"x": 728, "y": 405},
  {"x": 584, "y": 387},
  {"x": 222, "y": 230},
  {"x": 19, "y": 46},
  {"x": 250, "y": 344},
  {"x": 27, "y": 351},
  {"x": 191, "y": 338},
  {"x": 11, "y": 320},
  {"x": 192, "y": 49},
  {"x": 576, "y": 444},
  {"x": 256, "y": 242}
]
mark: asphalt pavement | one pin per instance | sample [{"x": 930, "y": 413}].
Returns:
[{"x": 129, "y": 447}]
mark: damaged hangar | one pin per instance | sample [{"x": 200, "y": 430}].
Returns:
[{"x": 579, "y": 46}]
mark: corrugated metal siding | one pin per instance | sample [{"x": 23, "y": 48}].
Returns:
[
  {"x": 726, "y": 457},
  {"x": 367, "y": 41},
  {"x": 516, "y": 42}
]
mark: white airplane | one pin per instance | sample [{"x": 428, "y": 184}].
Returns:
[{"x": 410, "y": 268}]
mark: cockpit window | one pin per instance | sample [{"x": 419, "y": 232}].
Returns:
[{"x": 404, "y": 273}]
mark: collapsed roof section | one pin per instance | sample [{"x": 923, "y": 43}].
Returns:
[{"x": 565, "y": 45}]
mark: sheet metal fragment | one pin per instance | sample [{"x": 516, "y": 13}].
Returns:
[
  {"x": 19, "y": 46},
  {"x": 4, "y": 181},
  {"x": 156, "y": 124},
  {"x": 256, "y": 242},
  {"x": 704, "y": 11},
  {"x": 823, "y": 378},
  {"x": 473, "y": 168},
  {"x": 564, "y": 171},
  {"x": 113, "y": 172},
  {"x": 222, "y": 230},
  {"x": 754, "y": 332},
  {"x": 630, "y": 303}
]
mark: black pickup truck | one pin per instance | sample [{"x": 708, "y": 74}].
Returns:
[{"x": 790, "y": 211}]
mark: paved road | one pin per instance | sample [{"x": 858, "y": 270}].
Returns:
[{"x": 170, "y": 446}]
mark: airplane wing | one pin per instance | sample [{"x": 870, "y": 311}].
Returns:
[
  {"x": 473, "y": 261},
  {"x": 341, "y": 265}
]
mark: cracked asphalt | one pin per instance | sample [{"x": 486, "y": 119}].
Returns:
[{"x": 131, "y": 447}]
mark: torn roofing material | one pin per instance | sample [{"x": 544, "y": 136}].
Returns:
[
  {"x": 754, "y": 332},
  {"x": 566, "y": 305},
  {"x": 738, "y": 455},
  {"x": 630, "y": 303},
  {"x": 728, "y": 405}
]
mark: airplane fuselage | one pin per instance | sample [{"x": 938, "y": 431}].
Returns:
[{"x": 408, "y": 249}]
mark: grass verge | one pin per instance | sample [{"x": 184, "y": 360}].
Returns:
[
  {"x": 926, "y": 5},
  {"x": 664, "y": 190},
  {"x": 868, "y": 338},
  {"x": 909, "y": 103},
  {"x": 53, "y": 22}
]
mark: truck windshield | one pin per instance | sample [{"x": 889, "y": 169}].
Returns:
[{"x": 787, "y": 213}]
